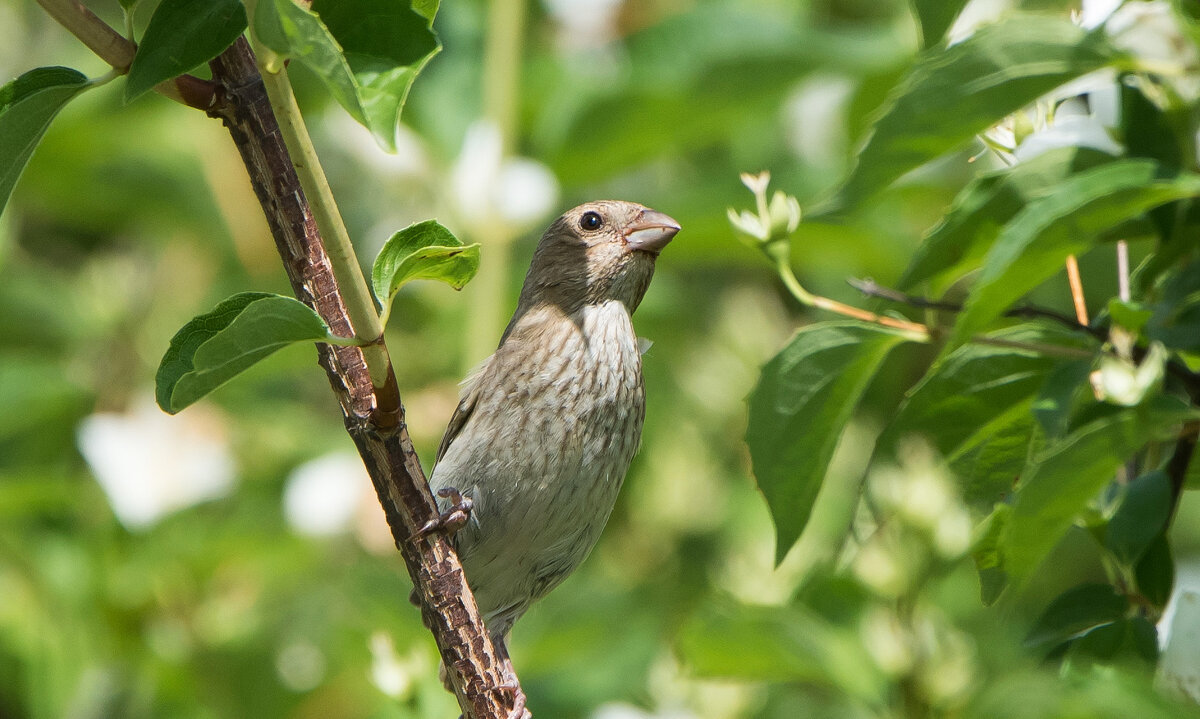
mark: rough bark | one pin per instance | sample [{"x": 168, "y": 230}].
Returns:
[{"x": 374, "y": 417}]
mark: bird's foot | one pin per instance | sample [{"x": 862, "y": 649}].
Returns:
[
  {"x": 518, "y": 710},
  {"x": 453, "y": 519}
]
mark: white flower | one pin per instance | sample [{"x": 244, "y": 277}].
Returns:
[
  {"x": 391, "y": 673},
  {"x": 1150, "y": 31},
  {"x": 323, "y": 495},
  {"x": 490, "y": 190},
  {"x": 974, "y": 15},
  {"x": 584, "y": 24},
  {"x": 1179, "y": 668},
  {"x": 300, "y": 666},
  {"x": 151, "y": 464},
  {"x": 774, "y": 220},
  {"x": 1123, "y": 383},
  {"x": 1074, "y": 124}
]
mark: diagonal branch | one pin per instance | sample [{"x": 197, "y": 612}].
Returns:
[
  {"x": 118, "y": 51},
  {"x": 870, "y": 288},
  {"x": 374, "y": 416}
]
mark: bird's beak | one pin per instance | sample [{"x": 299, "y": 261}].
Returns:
[{"x": 650, "y": 232}]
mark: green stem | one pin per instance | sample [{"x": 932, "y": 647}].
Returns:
[
  {"x": 360, "y": 305},
  {"x": 501, "y": 89},
  {"x": 502, "y": 67},
  {"x": 917, "y": 331},
  {"x": 784, "y": 268}
]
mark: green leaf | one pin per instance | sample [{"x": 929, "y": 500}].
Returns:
[
  {"x": 1155, "y": 572},
  {"x": 181, "y": 35},
  {"x": 802, "y": 402},
  {"x": 973, "y": 406},
  {"x": 215, "y": 347},
  {"x": 989, "y": 559},
  {"x": 1076, "y": 611},
  {"x": 761, "y": 643},
  {"x": 1141, "y": 518},
  {"x": 425, "y": 250},
  {"x": 935, "y": 17},
  {"x": 366, "y": 52},
  {"x": 27, "y": 105},
  {"x": 1130, "y": 315},
  {"x": 1066, "y": 388},
  {"x": 1068, "y": 473},
  {"x": 1034, "y": 245},
  {"x": 1176, "y": 318},
  {"x": 953, "y": 94},
  {"x": 981, "y": 210}
]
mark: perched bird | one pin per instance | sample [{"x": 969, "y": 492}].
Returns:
[{"x": 547, "y": 426}]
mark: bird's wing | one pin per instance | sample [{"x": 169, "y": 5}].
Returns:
[{"x": 466, "y": 405}]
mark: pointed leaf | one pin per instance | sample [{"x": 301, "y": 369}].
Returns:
[
  {"x": 974, "y": 407},
  {"x": 368, "y": 67},
  {"x": 1155, "y": 572},
  {"x": 1141, "y": 518},
  {"x": 960, "y": 241},
  {"x": 181, "y": 35},
  {"x": 952, "y": 94},
  {"x": 215, "y": 347},
  {"x": 425, "y": 250},
  {"x": 27, "y": 105},
  {"x": 935, "y": 17},
  {"x": 1068, "y": 473},
  {"x": 1076, "y": 611},
  {"x": 1035, "y": 244},
  {"x": 802, "y": 402}
]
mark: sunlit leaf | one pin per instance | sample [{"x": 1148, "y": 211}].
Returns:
[
  {"x": 181, "y": 35},
  {"x": 952, "y": 94},
  {"x": 802, "y": 402},
  {"x": 1035, "y": 244},
  {"x": 215, "y": 347},
  {"x": 425, "y": 250},
  {"x": 366, "y": 52},
  {"x": 27, "y": 105},
  {"x": 960, "y": 241}
]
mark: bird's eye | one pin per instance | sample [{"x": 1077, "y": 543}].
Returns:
[{"x": 591, "y": 221}]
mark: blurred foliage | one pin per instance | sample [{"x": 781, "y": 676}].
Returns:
[{"x": 228, "y": 562}]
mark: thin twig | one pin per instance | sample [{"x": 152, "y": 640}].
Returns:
[
  {"x": 870, "y": 288},
  {"x": 1076, "y": 283},
  {"x": 1189, "y": 379},
  {"x": 1123, "y": 270}
]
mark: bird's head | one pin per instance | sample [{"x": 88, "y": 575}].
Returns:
[{"x": 597, "y": 252}]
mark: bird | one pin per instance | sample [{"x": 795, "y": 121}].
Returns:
[{"x": 547, "y": 426}]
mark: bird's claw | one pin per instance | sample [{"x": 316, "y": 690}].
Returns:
[
  {"x": 453, "y": 519},
  {"x": 518, "y": 711}
]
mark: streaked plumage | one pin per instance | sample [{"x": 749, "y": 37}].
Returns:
[{"x": 548, "y": 425}]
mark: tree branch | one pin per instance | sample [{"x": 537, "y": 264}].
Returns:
[
  {"x": 118, "y": 51},
  {"x": 374, "y": 416},
  {"x": 872, "y": 289},
  {"x": 1190, "y": 380}
]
